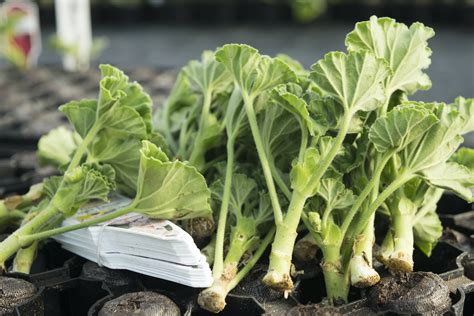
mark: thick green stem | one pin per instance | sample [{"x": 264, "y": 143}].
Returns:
[
  {"x": 278, "y": 275},
  {"x": 248, "y": 102},
  {"x": 361, "y": 271},
  {"x": 26, "y": 239},
  {"x": 336, "y": 277},
  {"x": 401, "y": 259},
  {"x": 219, "y": 254}
]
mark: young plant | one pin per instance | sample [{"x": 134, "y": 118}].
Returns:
[
  {"x": 406, "y": 52},
  {"x": 351, "y": 84},
  {"x": 73, "y": 51}
]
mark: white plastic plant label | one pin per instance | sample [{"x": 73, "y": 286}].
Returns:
[
  {"x": 21, "y": 36},
  {"x": 73, "y": 24}
]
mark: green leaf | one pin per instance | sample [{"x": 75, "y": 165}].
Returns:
[
  {"x": 207, "y": 74},
  {"x": 264, "y": 213},
  {"x": 112, "y": 86},
  {"x": 81, "y": 114},
  {"x": 169, "y": 189},
  {"x": 140, "y": 101},
  {"x": 335, "y": 193},
  {"x": 171, "y": 116},
  {"x": 453, "y": 177},
  {"x": 242, "y": 189},
  {"x": 327, "y": 114},
  {"x": 281, "y": 134},
  {"x": 56, "y": 147},
  {"x": 427, "y": 231},
  {"x": 293, "y": 104},
  {"x": 252, "y": 72},
  {"x": 113, "y": 127},
  {"x": 118, "y": 144},
  {"x": 124, "y": 121},
  {"x": 353, "y": 80},
  {"x": 404, "y": 49},
  {"x": 401, "y": 126},
  {"x": 294, "y": 65},
  {"x": 465, "y": 107},
  {"x": 437, "y": 144},
  {"x": 78, "y": 186},
  {"x": 464, "y": 156}
]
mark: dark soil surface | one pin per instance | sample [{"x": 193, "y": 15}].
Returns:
[
  {"x": 412, "y": 293},
  {"x": 142, "y": 304}
]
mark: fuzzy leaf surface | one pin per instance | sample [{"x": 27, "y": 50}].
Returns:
[{"x": 404, "y": 49}]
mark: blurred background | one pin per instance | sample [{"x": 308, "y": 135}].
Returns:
[{"x": 152, "y": 39}]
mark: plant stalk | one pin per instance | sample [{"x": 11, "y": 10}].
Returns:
[
  {"x": 248, "y": 103},
  {"x": 335, "y": 276},
  {"x": 221, "y": 226},
  {"x": 401, "y": 259}
]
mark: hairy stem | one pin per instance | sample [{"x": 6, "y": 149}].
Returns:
[
  {"x": 278, "y": 275},
  {"x": 219, "y": 253},
  {"x": 401, "y": 259}
]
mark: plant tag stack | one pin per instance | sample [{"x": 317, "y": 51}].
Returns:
[{"x": 158, "y": 248}]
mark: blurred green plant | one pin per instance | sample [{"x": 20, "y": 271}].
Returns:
[
  {"x": 98, "y": 46},
  {"x": 9, "y": 49}
]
